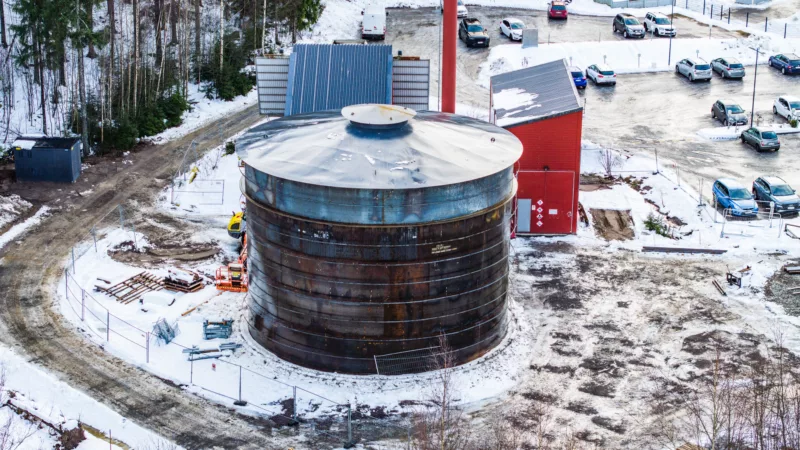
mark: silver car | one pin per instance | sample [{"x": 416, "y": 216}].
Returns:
[
  {"x": 601, "y": 74},
  {"x": 694, "y": 69},
  {"x": 728, "y": 112},
  {"x": 728, "y": 68}
]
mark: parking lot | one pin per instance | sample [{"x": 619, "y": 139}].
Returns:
[{"x": 643, "y": 112}]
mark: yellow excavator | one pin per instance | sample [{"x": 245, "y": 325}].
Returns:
[{"x": 237, "y": 225}]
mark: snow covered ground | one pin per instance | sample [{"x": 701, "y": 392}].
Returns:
[
  {"x": 647, "y": 55},
  {"x": 48, "y": 398},
  {"x": 732, "y": 133}
]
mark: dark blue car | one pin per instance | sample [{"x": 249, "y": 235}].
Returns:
[
  {"x": 788, "y": 63},
  {"x": 578, "y": 76},
  {"x": 777, "y": 191},
  {"x": 732, "y": 195}
]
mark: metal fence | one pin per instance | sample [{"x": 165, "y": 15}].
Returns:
[
  {"x": 753, "y": 21},
  {"x": 224, "y": 379}
]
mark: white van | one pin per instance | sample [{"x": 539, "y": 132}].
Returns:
[{"x": 373, "y": 25}]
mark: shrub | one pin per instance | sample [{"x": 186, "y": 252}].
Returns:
[
  {"x": 230, "y": 148},
  {"x": 173, "y": 107},
  {"x": 150, "y": 121},
  {"x": 120, "y": 136},
  {"x": 657, "y": 224},
  {"x": 793, "y": 123}
]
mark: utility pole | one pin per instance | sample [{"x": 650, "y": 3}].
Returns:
[
  {"x": 672, "y": 24},
  {"x": 755, "y": 77}
]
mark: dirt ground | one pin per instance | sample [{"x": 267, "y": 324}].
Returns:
[
  {"x": 31, "y": 323},
  {"x": 613, "y": 224}
]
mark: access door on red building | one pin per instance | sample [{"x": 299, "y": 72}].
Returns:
[{"x": 545, "y": 202}]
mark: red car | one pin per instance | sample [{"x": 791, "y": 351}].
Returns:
[{"x": 557, "y": 10}]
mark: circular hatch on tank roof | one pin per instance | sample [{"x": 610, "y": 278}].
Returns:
[{"x": 377, "y": 115}]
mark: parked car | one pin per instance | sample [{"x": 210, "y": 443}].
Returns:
[
  {"x": 601, "y": 74},
  {"x": 787, "y": 107},
  {"x": 728, "y": 112},
  {"x": 761, "y": 139},
  {"x": 788, "y": 63},
  {"x": 512, "y": 28},
  {"x": 774, "y": 189},
  {"x": 557, "y": 10},
  {"x": 730, "y": 194},
  {"x": 628, "y": 25},
  {"x": 659, "y": 24},
  {"x": 694, "y": 69},
  {"x": 373, "y": 24},
  {"x": 461, "y": 9},
  {"x": 472, "y": 33},
  {"x": 728, "y": 67},
  {"x": 578, "y": 77}
]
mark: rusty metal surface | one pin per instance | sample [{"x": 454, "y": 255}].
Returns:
[{"x": 330, "y": 296}]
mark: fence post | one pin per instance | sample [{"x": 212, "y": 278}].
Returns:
[
  {"x": 711, "y": 14},
  {"x": 766, "y": 24},
  {"x": 83, "y": 304},
  {"x": 121, "y": 221},
  {"x": 721, "y": 10},
  {"x": 73, "y": 260},
  {"x": 687, "y": 4},
  {"x": 66, "y": 283},
  {"x": 771, "y": 212},
  {"x": 747, "y": 20},
  {"x": 729, "y": 16},
  {"x": 240, "y": 384},
  {"x": 349, "y": 426},
  {"x": 135, "y": 245},
  {"x": 656, "y": 150},
  {"x": 785, "y": 27},
  {"x": 294, "y": 405},
  {"x": 704, "y": 7},
  {"x": 94, "y": 237},
  {"x": 191, "y": 370},
  {"x": 147, "y": 346},
  {"x": 700, "y": 194},
  {"x": 108, "y": 325}
]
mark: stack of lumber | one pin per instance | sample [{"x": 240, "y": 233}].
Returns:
[
  {"x": 183, "y": 281},
  {"x": 133, "y": 288}
]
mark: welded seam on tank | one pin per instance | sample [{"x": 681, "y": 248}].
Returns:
[
  {"x": 498, "y": 206},
  {"x": 479, "y": 194},
  {"x": 351, "y": 319},
  {"x": 501, "y": 224},
  {"x": 301, "y": 275},
  {"x": 346, "y": 262},
  {"x": 500, "y": 328},
  {"x": 281, "y": 322},
  {"x": 317, "y": 297}
]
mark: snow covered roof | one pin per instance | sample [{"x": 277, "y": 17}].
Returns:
[
  {"x": 534, "y": 93},
  {"x": 30, "y": 142},
  {"x": 326, "y": 76},
  {"x": 431, "y": 149}
]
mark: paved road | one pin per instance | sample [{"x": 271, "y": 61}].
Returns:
[
  {"x": 664, "y": 111},
  {"x": 31, "y": 323}
]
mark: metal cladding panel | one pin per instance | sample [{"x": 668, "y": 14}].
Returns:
[
  {"x": 54, "y": 160},
  {"x": 554, "y": 143},
  {"x": 411, "y": 84},
  {"x": 272, "y": 75},
  {"x": 333, "y": 296},
  {"x": 326, "y": 76},
  {"x": 534, "y": 93}
]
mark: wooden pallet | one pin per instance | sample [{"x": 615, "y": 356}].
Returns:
[
  {"x": 178, "y": 281},
  {"x": 134, "y": 287}
]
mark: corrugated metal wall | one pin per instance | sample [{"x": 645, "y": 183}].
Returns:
[
  {"x": 411, "y": 84},
  {"x": 325, "y": 76},
  {"x": 272, "y": 75}
]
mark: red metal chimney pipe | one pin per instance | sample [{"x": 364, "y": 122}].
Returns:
[{"x": 449, "y": 30}]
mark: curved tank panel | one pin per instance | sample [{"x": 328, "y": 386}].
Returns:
[{"x": 344, "y": 268}]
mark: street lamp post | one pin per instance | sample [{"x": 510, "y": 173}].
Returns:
[
  {"x": 671, "y": 21},
  {"x": 755, "y": 76}
]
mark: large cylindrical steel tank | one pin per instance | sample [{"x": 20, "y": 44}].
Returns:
[{"x": 374, "y": 230}]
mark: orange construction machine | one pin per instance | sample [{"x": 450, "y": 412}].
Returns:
[{"x": 233, "y": 277}]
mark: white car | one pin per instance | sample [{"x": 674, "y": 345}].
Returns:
[
  {"x": 512, "y": 28},
  {"x": 659, "y": 24},
  {"x": 787, "y": 107},
  {"x": 601, "y": 74},
  {"x": 461, "y": 9}
]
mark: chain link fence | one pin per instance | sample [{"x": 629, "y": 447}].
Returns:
[
  {"x": 224, "y": 380},
  {"x": 753, "y": 21}
]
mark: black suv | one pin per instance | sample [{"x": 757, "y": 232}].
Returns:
[
  {"x": 472, "y": 33},
  {"x": 629, "y": 26}
]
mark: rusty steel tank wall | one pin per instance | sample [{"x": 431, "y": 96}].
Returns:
[{"x": 330, "y": 296}]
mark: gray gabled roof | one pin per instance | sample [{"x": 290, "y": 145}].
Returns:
[
  {"x": 325, "y": 76},
  {"x": 534, "y": 93}
]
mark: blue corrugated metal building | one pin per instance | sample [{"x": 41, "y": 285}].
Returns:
[
  {"x": 325, "y": 76},
  {"x": 47, "y": 159}
]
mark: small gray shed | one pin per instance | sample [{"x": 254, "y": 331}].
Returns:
[{"x": 47, "y": 159}]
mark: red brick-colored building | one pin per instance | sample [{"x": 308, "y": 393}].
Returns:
[{"x": 540, "y": 105}]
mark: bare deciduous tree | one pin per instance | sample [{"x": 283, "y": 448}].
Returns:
[{"x": 609, "y": 160}]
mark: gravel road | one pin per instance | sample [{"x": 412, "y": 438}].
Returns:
[{"x": 31, "y": 323}]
